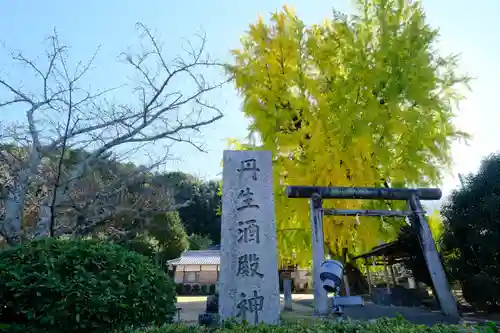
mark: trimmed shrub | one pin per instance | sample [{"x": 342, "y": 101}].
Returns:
[
  {"x": 196, "y": 289},
  {"x": 54, "y": 285},
  {"x": 143, "y": 244},
  {"x": 172, "y": 328},
  {"x": 179, "y": 289},
  {"x": 212, "y": 289},
  {"x": 205, "y": 289},
  {"x": 188, "y": 288},
  {"x": 212, "y": 304},
  {"x": 383, "y": 325}
]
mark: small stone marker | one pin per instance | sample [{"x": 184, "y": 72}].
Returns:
[
  {"x": 287, "y": 293},
  {"x": 249, "y": 286}
]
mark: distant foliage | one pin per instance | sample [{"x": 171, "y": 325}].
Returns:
[
  {"x": 144, "y": 244},
  {"x": 169, "y": 230},
  {"x": 127, "y": 211},
  {"x": 200, "y": 216},
  {"x": 199, "y": 242},
  {"x": 472, "y": 234},
  {"x": 87, "y": 286}
]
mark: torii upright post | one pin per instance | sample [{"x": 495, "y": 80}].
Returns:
[
  {"x": 412, "y": 196},
  {"x": 445, "y": 296},
  {"x": 318, "y": 254}
]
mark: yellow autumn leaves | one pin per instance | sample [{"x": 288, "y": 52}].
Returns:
[{"x": 358, "y": 101}]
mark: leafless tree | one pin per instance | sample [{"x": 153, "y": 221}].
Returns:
[{"x": 170, "y": 106}]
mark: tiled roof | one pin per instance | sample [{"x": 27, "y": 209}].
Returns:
[
  {"x": 202, "y": 257},
  {"x": 173, "y": 261}
]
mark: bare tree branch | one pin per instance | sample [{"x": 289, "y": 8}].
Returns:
[{"x": 63, "y": 119}]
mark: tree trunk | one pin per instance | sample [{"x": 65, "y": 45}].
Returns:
[
  {"x": 43, "y": 224},
  {"x": 14, "y": 204},
  {"x": 14, "y": 208},
  {"x": 12, "y": 222},
  {"x": 45, "y": 219}
]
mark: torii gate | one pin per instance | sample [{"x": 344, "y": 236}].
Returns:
[{"x": 416, "y": 214}]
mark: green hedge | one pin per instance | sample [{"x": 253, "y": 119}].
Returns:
[
  {"x": 55, "y": 285},
  {"x": 384, "y": 325},
  {"x": 194, "y": 290}
]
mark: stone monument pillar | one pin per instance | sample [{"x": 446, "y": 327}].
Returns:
[{"x": 249, "y": 286}]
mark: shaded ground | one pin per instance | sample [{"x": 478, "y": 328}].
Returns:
[
  {"x": 192, "y": 306},
  {"x": 372, "y": 311}
]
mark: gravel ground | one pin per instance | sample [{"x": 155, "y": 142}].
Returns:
[
  {"x": 373, "y": 311},
  {"x": 192, "y": 306}
]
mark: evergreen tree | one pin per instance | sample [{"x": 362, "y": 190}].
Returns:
[
  {"x": 169, "y": 231},
  {"x": 472, "y": 234}
]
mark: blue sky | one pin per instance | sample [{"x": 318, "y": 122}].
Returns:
[{"x": 466, "y": 27}]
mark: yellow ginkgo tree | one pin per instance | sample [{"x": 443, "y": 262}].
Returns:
[{"x": 364, "y": 100}]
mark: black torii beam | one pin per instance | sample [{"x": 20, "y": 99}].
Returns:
[
  {"x": 366, "y": 212},
  {"x": 363, "y": 193}
]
